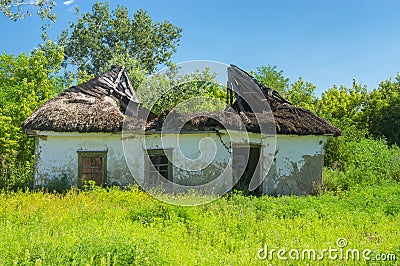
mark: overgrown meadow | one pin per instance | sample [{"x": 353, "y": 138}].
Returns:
[{"x": 114, "y": 227}]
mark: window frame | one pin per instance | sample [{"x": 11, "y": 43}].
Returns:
[
  {"x": 166, "y": 152},
  {"x": 82, "y": 154}
]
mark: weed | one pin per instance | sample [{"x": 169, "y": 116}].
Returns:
[{"x": 110, "y": 226}]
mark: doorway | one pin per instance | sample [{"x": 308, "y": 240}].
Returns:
[{"x": 250, "y": 166}]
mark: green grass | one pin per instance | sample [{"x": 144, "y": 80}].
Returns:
[{"x": 114, "y": 227}]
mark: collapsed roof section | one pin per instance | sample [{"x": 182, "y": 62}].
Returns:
[
  {"x": 252, "y": 97},
  {"x": 100, "y": 105},
  {"x": 115, "y": 84}
]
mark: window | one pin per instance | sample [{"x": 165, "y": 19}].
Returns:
[
  {"x": 92, "y": 166},
  {"x": 158, "y": 165}
]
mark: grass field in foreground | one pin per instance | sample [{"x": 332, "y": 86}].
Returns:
[{"x": 114, "y": 227}]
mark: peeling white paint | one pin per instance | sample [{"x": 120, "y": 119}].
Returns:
[
  {"x": 290, "y": 155},
  {"x": 57, "y": 155},
  {"x": 292, "y": 149}
]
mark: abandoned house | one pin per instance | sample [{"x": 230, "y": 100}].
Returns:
[{"x": 78, "y": 135}]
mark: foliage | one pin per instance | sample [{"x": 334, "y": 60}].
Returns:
[
  {"x": 350, "y": 132},
  {"x": 271, "y": 77},
  {"x": 343, "y": 103},
  {"x": 26, "y": 81},
  {"x": 18, "y": 9},
  {"x": 382, "y": 111},
  {"x": 195, "y": 92},
  {"x": 98, "y": 36},
  {"x": 114, "y": 227},
  {"x": 362, "y": 163},
  {"x": 15, "y": 175},
  {"x": 301, "y": 93}
]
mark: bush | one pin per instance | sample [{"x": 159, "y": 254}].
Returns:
[
  {"x": 365, "y": 162},
  {"x": 15, "y": 175}
]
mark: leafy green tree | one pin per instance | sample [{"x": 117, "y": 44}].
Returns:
[
  {"x": 382, "y": 111},
  {"x": 101, "y": 35},
  {"x": 343, "y": 107},
  {"x": 389, "y": 125},
  {"x": 26, "y": 81},
  {"x": 301, "y": 93},
  {"x": 18, "y": 9},
  {"x": 343, "y": 103},
  {"x": 195, "y": 92},
  {"x": 271, "y": 77}
]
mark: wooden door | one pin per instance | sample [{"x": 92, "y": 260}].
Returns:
[{"x": 92, "y": 166}]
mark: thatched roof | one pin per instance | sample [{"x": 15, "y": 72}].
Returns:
[{"x": 99, "y": 105}]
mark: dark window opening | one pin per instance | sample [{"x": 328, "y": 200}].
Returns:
[{"x": 158, "y": 165}]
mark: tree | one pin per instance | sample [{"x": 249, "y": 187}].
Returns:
[
  {"x": 100, "y": 36},
  {"x": 343, "y": 103},
  {"x": 18, "y": 9},
  {"x": 301, "y": 93},
  {"x": 382, "y": 111},
  {"x": 271, "y": 77},
  {"x": 26, "y": 81},
  {"x": 189, "y": 93}
]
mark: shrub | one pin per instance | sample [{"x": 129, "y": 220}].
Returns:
[
  {"x": 365, "y": 162},
  {"x": 15, "y": 175}
]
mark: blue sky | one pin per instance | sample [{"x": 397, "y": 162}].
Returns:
[{"x": 325, "y": 42}]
